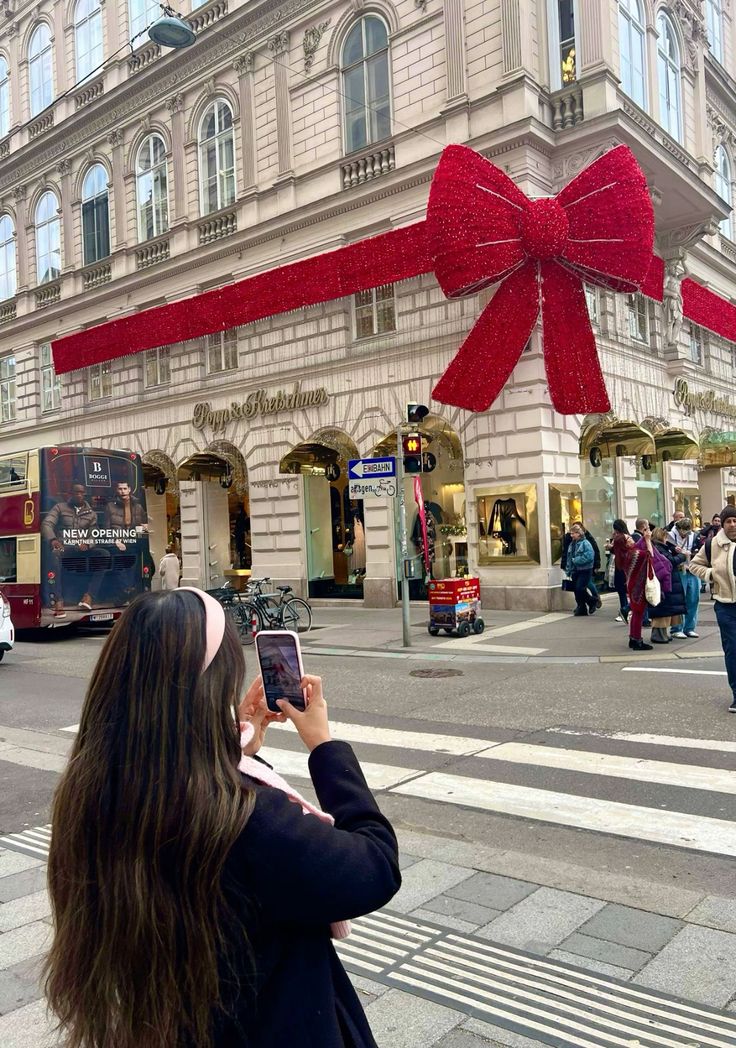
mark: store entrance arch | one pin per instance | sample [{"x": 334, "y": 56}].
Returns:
[
  {"x": 443, "y": 493},
  {"x": 162, "y": 503},
  {"x": 225, "y": 541},
  {"x": 334, "y": 524}
]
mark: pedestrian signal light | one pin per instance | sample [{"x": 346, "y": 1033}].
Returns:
[{"x": 412, "y": 447}]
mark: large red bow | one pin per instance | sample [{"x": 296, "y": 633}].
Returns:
[{"x": 482, "y": 230}]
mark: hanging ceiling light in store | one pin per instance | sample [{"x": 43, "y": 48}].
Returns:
[{"x": 170, "y": 30}]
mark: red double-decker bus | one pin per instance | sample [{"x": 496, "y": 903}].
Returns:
[{"x": 73, "y": 535}]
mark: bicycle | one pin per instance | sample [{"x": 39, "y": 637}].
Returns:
[
  {"x": 278, "y": 610},
  {"x": 240, "y": 611}
]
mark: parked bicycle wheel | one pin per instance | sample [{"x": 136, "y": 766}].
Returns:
[
  {"x": 297, "y": 615},
  {"x": 243, "y": 613}
]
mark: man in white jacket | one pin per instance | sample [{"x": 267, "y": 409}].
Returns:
[
  {"x": 715, "y": 562},
  {"x": 169, "y": 569}
]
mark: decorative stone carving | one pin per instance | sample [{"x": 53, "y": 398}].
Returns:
[
  {"x": 674, "y": 271},
  {"x": 175, "y": 104},
  {"x": 210, "y": 86},
  {"x": 244, "y": 63},
  {"x": 19, "y": 192},
  {"x": 65, "y": 166},
  {"x": 279, "y": 44},
  {"x": 115, "y": 138},
  {"x": 421, "y": 4},
  {"x": 693, "y": 30},
  {"x": 312, "y": 38},
  {"x": 8, "y": 8}
]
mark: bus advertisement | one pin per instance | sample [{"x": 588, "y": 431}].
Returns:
[{"x": 73, "y": 535}]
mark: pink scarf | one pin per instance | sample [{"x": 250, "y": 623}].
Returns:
[{"x": 262, "y": 773}]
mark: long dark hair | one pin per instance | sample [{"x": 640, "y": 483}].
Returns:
[{"x": 143, "y": 820}]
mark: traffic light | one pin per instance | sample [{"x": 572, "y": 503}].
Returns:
[
  {"x": 412, "y": 448},
  {"x": 416, "y": 412}
]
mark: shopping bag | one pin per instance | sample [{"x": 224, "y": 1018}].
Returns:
[{"x": 652, "y": 588}]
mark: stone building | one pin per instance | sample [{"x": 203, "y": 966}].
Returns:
[{"x": 132, "y": 177}]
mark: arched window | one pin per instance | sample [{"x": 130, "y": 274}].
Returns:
[
  {"x": 668, "y": 75},
  {"x": 40, "y": 69},
  {"x": 142, "y": 14},
  {"x": 714, "y": 25},
  {"x": 4, "y": 98},
  {"x": 365, "y": 83},
  {"x": 217, "y": 157},
  {"x": 631, "y": 43},
  {"x": 152, "y": 188},
  {"x": 8, "y": 280},
  {"x": 723, "y": 188},
  {"x": 48, "y": 238},
  {"x": 88, "y": 37},
  {"x": 95, "y": 215}
]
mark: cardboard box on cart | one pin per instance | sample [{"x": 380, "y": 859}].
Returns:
[{"x": 454, "y": 604}]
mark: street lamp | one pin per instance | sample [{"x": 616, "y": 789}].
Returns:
[{"x": 170, "y": 30}]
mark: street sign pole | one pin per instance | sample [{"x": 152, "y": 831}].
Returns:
[{"x": 403, "y": 540}]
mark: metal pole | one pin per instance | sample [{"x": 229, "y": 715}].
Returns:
[{"x": 403, "y": 540}]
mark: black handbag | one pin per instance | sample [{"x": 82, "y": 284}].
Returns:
[{"x": 568, "y": 586}]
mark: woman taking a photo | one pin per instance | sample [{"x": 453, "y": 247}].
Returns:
[{"x": 193, "y": 904}]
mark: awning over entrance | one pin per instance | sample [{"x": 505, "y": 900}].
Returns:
[
  {"x": 675, "y": 445},
  {"x": 323, "y": 449},
  {"x": 616, "y": 437},
  {"x": 717, "y": 448}
]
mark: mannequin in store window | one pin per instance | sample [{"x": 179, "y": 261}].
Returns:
[
  {"x": 503, "y": 523},
  {"x": 241, "y": 529}
]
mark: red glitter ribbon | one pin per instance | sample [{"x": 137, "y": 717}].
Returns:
[{"x": 480, "y": 230}]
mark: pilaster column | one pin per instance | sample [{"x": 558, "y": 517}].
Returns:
[
  {"x": 21, "y": 236},
  {"x": 594, "y": 37},
  {"x": 111, "y": 28},
  {"x": 244, "y": 68},
  {"x": 651, "y": 73},
  {"x": 455, "y": 47},
  {"x": 115, "y": 138},
  {"x": 279, "y": 47},
  {"x": 63, "y": 49},
  {"x": 176, "y": 108},
  {"x": 16, "y": 97},
  {"x": 67, "y": 218}
]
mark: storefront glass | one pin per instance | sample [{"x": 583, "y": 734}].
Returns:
[
  {"x": 687, "y": 501},
  {"x": 649, "y": 490},
  {"x": 565, "y": 507},
  {"x": 508, "y": 529},
  {"x": 599, "y": 496}
]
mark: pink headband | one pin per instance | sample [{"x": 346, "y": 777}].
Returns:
[{"x": 214, "y": 623}]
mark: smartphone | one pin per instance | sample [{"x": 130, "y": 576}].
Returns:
[{"x": 280, "y": 659}]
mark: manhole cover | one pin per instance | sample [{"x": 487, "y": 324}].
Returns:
[{"x": 435, "y": 673}]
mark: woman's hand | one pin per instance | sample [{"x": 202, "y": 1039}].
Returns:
[
  {"x": 312, "y": 724},
  {"x": 253, "y": 708}
]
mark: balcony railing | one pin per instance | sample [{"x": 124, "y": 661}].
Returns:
[
  {"x": 88, "y": 94},
  {"x": 208, "y": 15},
  {"x": 96, "y": 276},
  {"x": 144, "y": 57},
  {"x": 8, "y": 311},
  {"x": 365, "y": 168},
  {"x": 152, "y": 254},
  {"x": 567, "y": 107},
  {"x": 218, "y": 227},
  {"x": 48, "y": 295},
  {"x": 40, "y": 126}
]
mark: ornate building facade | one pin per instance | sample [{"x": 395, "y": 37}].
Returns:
[{"x": 130, "y": 178}]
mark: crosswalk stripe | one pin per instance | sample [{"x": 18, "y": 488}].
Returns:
[
  {"x": 378, "y": 776},
  {"x": 636, "y": 769},
  {"x": 681, "y": 830},
  {"x": 458, "y": 745},
  {"x": 653, "y": 740}
]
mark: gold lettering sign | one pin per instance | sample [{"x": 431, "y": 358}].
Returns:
[
  {"x": 256, "y": 404},
  {"x": 708, "y": 400}
]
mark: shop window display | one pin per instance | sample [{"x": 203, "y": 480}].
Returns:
[
  {"x": 565, "y": 507},
  {"x": 649, "y": 490},
  {"x": 507, "y": 525},
  {"x": 687, "y": 501},
  {"x": 599, "y": 496}
]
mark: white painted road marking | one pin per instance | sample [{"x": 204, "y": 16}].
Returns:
[
  {"x": 678, "y": 829},
  {"x": 378, "y": 776},
  {"x": 457, "y": 745},
  {"x": 654, "y": 740},
  {"x": 668, "y": 669}
]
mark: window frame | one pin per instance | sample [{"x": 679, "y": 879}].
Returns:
[
  {"x": 630, "y": 28},
  {"x": 714, "y": 28},
  {"x": 222, "y": 346},
  {"x": 697, "y": 341},
  {"x": 376, "y": 330},
  {"x": 92, "y": 20},
  {"x": 160, "y": 354},
  {"x": 5, "y": 113},
  {"x": 41, "y": 62},
  {"x": 102, "y": 371},
  {"x": 554, "y": 43},
  {"x": 367, "y": 101},
  {"x": 53, "y": 221},
  {"x": 141, "y": 13},
  {"x": 637, "y": 309},
  {"x": 50, "y": 381},
  {"x": 6, "y": 270},
  {"x": 673, "y": 70},
  {"x": 156, "y": 167},
  {"x": 203, "y": 144},
  {"x": 8, "y": 389},
  {"x": 724, "y": 188},
  {"x": 101, "y": 229}
]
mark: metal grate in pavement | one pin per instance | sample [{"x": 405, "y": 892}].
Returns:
[
  {"x": 31, "y": 842},
  {"x": 558, "y": 1004}
]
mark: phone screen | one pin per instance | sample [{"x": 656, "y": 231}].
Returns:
[{"x": 279, "y": 660}]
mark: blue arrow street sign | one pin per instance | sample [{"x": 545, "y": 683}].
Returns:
[{"x": 378, "y": 467}]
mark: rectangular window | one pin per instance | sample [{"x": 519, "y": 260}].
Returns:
[
  {"x": 375, "y": 311},
  {"x": 697, "y": 341},
  {"x": 566, "y": 28},
  {"x": 158, "y": 370},
  {"x": 50, "y": 384},
  {"x": 13, "y": 470},
  {"x": 591, "y": 299},
  {"x": 637, "y": 311},
  {"x": 7, "y": 389},
  {"x": 96, "y": 229},
  {"x": 222, "y": 351},
  {"x": 8, "y": 560},
  {"x": 100, "y": 381}
]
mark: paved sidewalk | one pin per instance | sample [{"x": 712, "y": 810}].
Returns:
[
  {"x": 688, "y": 952},
  {"x": 509, "y": 636}
]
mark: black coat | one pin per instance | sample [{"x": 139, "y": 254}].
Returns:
[
  {"x": 293, "y": 875},
  {"x": 566, "y": 546},
  {"x": 671, "y": 604}
]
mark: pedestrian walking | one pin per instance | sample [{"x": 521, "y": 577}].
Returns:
[
  {"x": 619, "y": 545},
  {"x": 169, "y": 569},
  {"x": 579, "y": 566},
  {"x": 592, "y": 588},
  {"x": 714, "y": 563},
  {"x": 685, "y": 541},
  {"x": 643, "y": 562},
  {"x": 194, "y": 903},
  {"x": 671, "y": 608}
]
